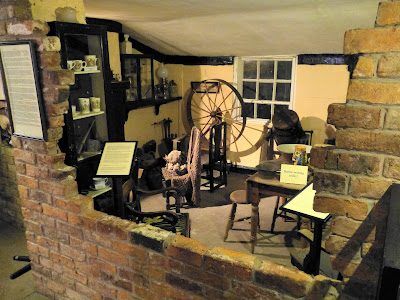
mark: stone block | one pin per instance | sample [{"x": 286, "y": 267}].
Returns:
[
  {"x": 392, "y": 119},
  {"x": 49, "y": 59},
  {"x": 188, "y": 250},
  {"x": 325, "y": 181},
  {"x": 318, "y": 155},
  {"x": 57, "y": 77},
  {"x": 356, "y": 163},
  {"x": 28, "y": 27},
  {"x": 151, "y": 237},
  {"x": 374, "y": 40},
  {"x": 343, "y": 247},
  {"x": 378, "y": 92},
  {"x": 56, "y": 94},
  {"x": 363, "y": 271},
  {"x": 56, "y": 109},
  {"x": 341, "y": 206},
  {"x": 273, "y": 276},
  {"x": 229, "y": 263},
  {"x": 388, "y": 13},
  {"x": 389, "y": 65},
  {"x": 369, "y": 187},
  {"x": 354, "y": 116},
  {"x": 364, "y": 68},
  {"x": 356, "y": 230}
]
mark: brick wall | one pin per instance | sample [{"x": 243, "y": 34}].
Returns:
[
  {"x": 79, "y": 253},
  {"x": 353, "y": 179}
]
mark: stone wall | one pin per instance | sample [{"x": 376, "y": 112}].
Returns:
[{"x": 353, "y": 179}]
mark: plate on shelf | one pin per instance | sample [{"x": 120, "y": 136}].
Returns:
[{"x": 93, "y": 188}]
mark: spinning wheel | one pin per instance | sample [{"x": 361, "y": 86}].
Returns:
[{"x": 214, "y": 101}]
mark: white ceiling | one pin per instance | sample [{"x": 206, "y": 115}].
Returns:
[{"x": 238, "y": 27}]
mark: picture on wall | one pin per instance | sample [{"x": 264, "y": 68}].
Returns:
[
  {"x": 20, "y": 83},
  {"x": 205, "y": 87}
]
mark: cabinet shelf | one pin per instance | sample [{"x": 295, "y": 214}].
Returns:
[
  {"x": 87, "y": 72},
  {"x": 130, "y": 105},
  {"x": 91, "y": 114},
  {"x": 97, "y": 193},
  {"x": 86, "y": 155}
]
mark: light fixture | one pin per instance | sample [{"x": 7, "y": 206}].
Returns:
[{"x": 162, "y": 73}]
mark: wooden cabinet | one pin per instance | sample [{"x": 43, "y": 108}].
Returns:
[{"x": 85, "y": 132}]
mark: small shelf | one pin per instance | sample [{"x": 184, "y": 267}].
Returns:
[
  {"x": 97, "y": 193},
  {"x": 91, "y": 114},
  {"x": 86, "y": 155},
  {"x": 130, "y": 105},
  {"x": 87, "y": 72}
]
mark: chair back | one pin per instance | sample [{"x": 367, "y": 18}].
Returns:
[{"x": 217, "y": 147}]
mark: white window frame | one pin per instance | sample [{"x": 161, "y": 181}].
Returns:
[{"x": 238, "y": 78}]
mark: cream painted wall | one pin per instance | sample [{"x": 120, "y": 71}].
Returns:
[
  {"x": 317, "y": 86},
  {"x": 113, "y": 50},
  {"x": 44, "y": 10}
]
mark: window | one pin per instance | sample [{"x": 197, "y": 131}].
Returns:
[{"x": 266, "y": 85}]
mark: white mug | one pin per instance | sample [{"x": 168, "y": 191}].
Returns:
[
  {"x": 95, "y": 104},
  {"x": 99, "y": 183},
  {"x": 91, "y": 60},
  {"x": 84, "y": 105},
  {"x": 79, "y": 65},
  {"x": 73, "y": 109},
  {"x": 70, "y": 64}
]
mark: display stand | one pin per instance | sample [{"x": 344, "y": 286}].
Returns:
[{"x": 117, "y": 161}]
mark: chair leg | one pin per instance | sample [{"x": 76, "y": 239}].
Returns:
[
  {"x": 231, "y": 220},
  {"x": 211, "y": 177},
  {"x": 275, "y": 214}
]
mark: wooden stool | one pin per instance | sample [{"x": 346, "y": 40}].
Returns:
[{"x": 237, "y": 197}]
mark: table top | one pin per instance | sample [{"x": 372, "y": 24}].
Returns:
[
  {"x": 274, "y": 181},
  {"x": 302, "y": 204}
]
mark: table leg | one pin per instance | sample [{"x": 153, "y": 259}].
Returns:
[
  {"x": 315, "y": 250},
  {"x": 255, "y": 200}
]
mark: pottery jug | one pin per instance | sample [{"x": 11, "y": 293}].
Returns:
[{"x": 66, "y": 14}]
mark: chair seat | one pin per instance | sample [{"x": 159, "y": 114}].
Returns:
[{"x": 238, "y": 197}]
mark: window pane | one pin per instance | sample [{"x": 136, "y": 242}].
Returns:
[
  {"x": 267, "y": 69},
  {"x": 264, "y": 111},
  {"x": 282, "y": 92},
  {"x": 249, "y": 90},
  {"x": 284, "y": 70},
  {"x": 248, "y": 110},
  {"x": 278, "y": 107},
  {"x": 250, "y": 69},
  {"x": 265, "y": 92}
]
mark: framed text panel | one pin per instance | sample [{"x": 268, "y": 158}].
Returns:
[
  {"x": 117, "y": 159},
  {"x": 20, "y": 76}
]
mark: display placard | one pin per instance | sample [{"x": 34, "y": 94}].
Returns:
[
  {"x": 294, "y": 174},
  {"x": 117, "y": 159},
  {"x": 20, "y": 77}
]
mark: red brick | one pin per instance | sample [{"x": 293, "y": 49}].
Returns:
[
  {"x": 56, "y": 121},
  {"x": 48, "y": 243},
  {"x": 212, "y": 279},
  {"x": 124, "y": 284},
  {"x": 136, "y": 277},
  {"x": 388, "y": 13},
  {"x": 188, "y": 250},
  {"x": 56, "y": 94},
  {"x": 130, "y": 250},
  {"x": 45, "y": 262},
  {"x": 377, "y": 141},
  {"x": 72, "y": 295},
  {"x": 72, "y": 253},
  {"x": 97, "y": 238},
  {"x": 73, "y": 274},
  {"x": 63, "y": 280},
  {"x": 23, "y": 191},
  {"x": 106, "y": 290},
  {"x": 114, "y": 227},
  {"x": 76, "y": 204},
  {"x": 54, "y": 212},
  {"x": 32, "y": 205},
  {"x": 40, "y": 147},
  {"x": 230, "y": 263},
  {"x": 169, "y": 292},
  {"x": 62, "y": 171},
  {"x": 49, "y": 59},
  {"x": 318, "y": 155},
  {"x": 56, "y": 109},
  {"x": 183, "y": 283},
  {"x": 341, "y": 205},
  {"x": 62, "y": 259},
  {"x": 6, "y": 12},
  {"x": 32, "y": 247},
  {"x": 54, "y": 134},
  {"x": 372, "y": 40},
  {"x": 66, "y": 187},
  {"x": 354, "y": 116},
  {"x": 51, "y": 160},
  {"x": 70, "y": 230},
  {"x": 113, "y": 256},
  {"x": 28, "y": 27},
  {"x": 392, "y": 119},
  {"x": 166, "y": 263},
  {"x": 368, "y": 187},
  {"x": 244, "y": 290},
  {"x": 37, "y": 171},
  {"x": 92, "y": 293},
  {"x": 25, "y": 156},
  {"x": 86, "y": 246},
  {"x": 40, "y": 196},
  {"x": 58, "y": 77},
  {"x": 103, "y": 266},
  {"x": 20, "y": 167},
  {"x": 122, "y": 295}
]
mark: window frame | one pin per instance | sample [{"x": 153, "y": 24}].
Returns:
[{"x": 238, "y": 79}]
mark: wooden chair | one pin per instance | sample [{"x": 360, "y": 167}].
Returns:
[
  {"x": 236, "y": 197},
  {"x": 175, "y": 222},
  {"x": 216, "y": 158}
]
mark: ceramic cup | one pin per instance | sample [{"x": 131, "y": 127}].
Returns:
[
  {"x": 79, "y": 65},
  {"x": 91, "y": 61},
  {"x": 84, "y": 105},
  {"x": 70, "y": 64},
  {"x": 73, "y": 109},
  {"x": 99, "y": 183},
  {"x": 95, "y": 104}
]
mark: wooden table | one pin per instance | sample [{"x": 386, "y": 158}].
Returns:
[
  {"x": 257, "y": 185},
  {"x": 302, "y": 205}
]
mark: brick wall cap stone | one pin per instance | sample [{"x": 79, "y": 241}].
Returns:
[{"x": 151, "y": 237}]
